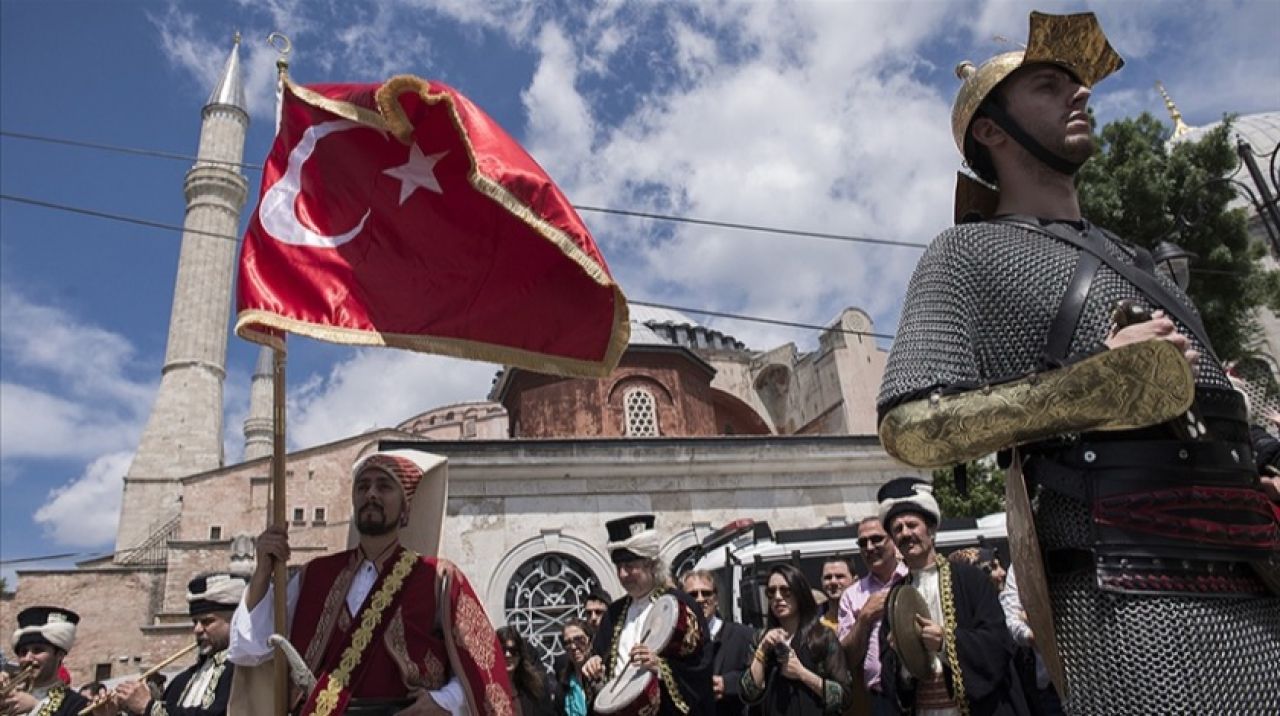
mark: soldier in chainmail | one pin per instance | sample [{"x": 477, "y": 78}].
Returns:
[{"x": 1158, "y": 547}]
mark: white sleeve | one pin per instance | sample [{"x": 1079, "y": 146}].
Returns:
[
  {"x": 1011, "y": 603},
  {"x": 250, "y": 628},
  {"x": 451, "y": 699}
]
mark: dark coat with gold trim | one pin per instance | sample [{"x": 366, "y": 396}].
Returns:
[{"x": 690, "y": 670}]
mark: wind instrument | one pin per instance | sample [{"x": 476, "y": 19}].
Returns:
[
  {"x": 141, "y": 677},
  {"x": 22, "y": 678}
]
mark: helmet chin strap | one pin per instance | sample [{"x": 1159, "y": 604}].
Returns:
[{"x": 1029, "y": 143}]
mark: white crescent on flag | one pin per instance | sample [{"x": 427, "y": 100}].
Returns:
[{"x": 276, "y": 210}]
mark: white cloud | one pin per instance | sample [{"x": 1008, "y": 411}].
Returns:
[
  {"x": 37, "y": 424},
  {"x": 203, "y": 56},
  {"x": 84, "y": 512},
  {"x": 804, "y": 130},
  {"x": 70, "y": 393},
  {"x": 70, "y": 388},
  {"x": 380, "y": 388}
]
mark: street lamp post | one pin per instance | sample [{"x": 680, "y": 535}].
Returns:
[{"x": 1264, "y": 201}]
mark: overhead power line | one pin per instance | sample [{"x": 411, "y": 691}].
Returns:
[
  {"x": 124, "y": 150},
  {"x": 42, "y": 559},
  {"x": 695, "y": 221},
  {"x": 752, "y": 227},
  {"x": 180, "y": 229}
]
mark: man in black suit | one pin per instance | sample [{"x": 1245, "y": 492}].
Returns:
[{"x": 730, "y": 643}]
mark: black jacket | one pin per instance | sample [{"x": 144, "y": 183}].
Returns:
[
  {"x": 730, "y": 656},
  {"x": 984, "y": 648}
]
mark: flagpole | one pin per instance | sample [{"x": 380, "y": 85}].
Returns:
[
  {"x": 279, "y": 574},
  {"x": 279, "y": 491}
]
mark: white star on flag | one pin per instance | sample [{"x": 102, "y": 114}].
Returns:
[{"x": 419, "y": 171}]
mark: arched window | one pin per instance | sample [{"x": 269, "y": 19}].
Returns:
[
  {"x": 543, "y": 594},
  {"x": 641, "y": 414}
]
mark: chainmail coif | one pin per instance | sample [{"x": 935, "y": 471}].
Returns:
[{"x": 978, "y": 310}]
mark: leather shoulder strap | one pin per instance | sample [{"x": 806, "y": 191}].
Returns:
[
  {"x": 1144, "y": 282},
  {"x": 1069, "y": 310}
]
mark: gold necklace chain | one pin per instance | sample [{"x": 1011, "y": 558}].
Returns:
[{"x": 949, "y": 631}]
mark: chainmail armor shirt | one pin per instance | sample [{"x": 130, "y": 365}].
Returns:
[{"x": 978, "y": 310}]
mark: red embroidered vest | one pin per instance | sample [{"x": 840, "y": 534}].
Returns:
[{"x": 411, "y": 653}]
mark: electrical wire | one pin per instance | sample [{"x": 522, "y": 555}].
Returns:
[
  {"x": 695, "y": 221},
  {"x": 181, "y": 229}
]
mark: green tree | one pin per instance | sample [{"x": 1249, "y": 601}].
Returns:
[
  {"x": 986, "y": 490},
  {"x": 1146, "y": 193}
]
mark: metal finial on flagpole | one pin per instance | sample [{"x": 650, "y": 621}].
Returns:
[
  {"x": 1002, "y": 40},
  {"x": 280, "y": 42}
]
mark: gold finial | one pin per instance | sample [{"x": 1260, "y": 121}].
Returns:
[
  {"x": 965, "y": 70},
  {"x": 283, "y": 47},
  {"x": 1179, "y": 127}
]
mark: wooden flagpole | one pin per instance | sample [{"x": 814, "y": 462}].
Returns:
[
  {"x": 279, "y": 575},
  {"x": 279, "y": 491}
]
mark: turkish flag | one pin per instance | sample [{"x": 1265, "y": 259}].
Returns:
[{"x": 402, "y": 215}]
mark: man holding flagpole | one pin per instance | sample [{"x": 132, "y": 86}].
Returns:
[
  {"x": 400, "y": 214},
  {"x": 385, "y": 627}
]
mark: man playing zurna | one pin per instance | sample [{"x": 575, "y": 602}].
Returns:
[
  {"x": 41, "y": 642},
  {"x": 684, "y": 668},
  {"x": 969, "y": 653},
  {"x": 385, "y": 627},
  {"x": 1154, "y": 593},
  {"x": 204, "y": 688}
]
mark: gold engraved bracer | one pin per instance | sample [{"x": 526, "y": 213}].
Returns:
[{"x": 1130, "y": 387}]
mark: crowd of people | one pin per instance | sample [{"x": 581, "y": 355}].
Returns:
[{"x": 805, "y": 658}]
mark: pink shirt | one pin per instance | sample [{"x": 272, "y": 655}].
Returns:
[{"x": 851, "y": 603}]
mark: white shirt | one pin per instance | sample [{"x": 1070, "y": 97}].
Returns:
[
  {"x": 1011, "y": 603},
  {"x": 714, "y": 624},
  {"x": 250, "y": 629},
  {"x": 193, "y": 696},
  {"x": 633, "y": 622},
  {"x": 927, "y": 582}
]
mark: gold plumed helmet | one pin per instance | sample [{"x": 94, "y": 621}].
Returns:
[{"x": 1075, "y": 43}]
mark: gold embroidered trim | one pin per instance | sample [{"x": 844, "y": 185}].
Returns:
[
  {"x": 334, "y": 606},
  {"x": 617, "y": 632},
  {"x": 475, "y": 633},
  {"x": 327, "y": 700},
  {"x": 673, "y": 689},
  {"x": 454, "y": 347},
  {"x": 949, "y": 633},
  {"x": 346, "y": 110},
  {"x": 434, "y": 671},
  {"x": 496, "y": 700},
  {"x": 398, "y": 648},
  {"x": 211, "y": 688},
  {"x": 54, "y": 703}
]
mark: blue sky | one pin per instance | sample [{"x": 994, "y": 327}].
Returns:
[{"x": 826, "y": 116}]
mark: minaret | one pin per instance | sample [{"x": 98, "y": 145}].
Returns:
[
  {"x": 184, "y": 433},
  {"x": 257, "y": 425},
  {"x": 1179, "y": 127}
]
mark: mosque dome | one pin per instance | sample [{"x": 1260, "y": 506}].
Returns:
[
  {"x": 651, "y": 325},
  {"x": 1262, "y": 132}
]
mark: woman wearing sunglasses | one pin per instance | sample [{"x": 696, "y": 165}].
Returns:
[
  {"x": 576, "y": 691},
  {"x": 528, "y": 679},
  {"x": 798, "y": 668}
]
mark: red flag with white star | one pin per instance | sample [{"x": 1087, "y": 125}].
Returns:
[{"x": 402, "y": 215}]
